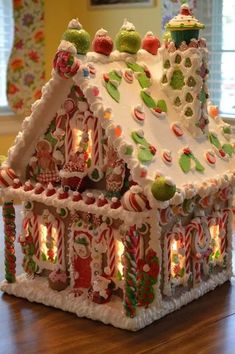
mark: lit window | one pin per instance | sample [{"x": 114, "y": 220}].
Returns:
[
  {"x": 48, "y": 243},
  {"x": 6, "y": 40}
]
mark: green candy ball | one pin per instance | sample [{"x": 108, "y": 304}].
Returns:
[
  {"x": 128, "y": 41},
  {"x": 162, "y": 190},
  {"x": 80, "y": 38}
]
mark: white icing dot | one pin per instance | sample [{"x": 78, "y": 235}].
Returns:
[{"x": 74, "y": 24}]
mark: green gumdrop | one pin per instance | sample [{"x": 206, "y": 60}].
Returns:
[
  {"x": 161, "y": 190},
  {"x": 128, "y": 41},
  {"x": 80, "y": 38}
]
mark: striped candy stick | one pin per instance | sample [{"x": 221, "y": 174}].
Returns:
[
  {"x": 192, "y": 227},
  {"x": 188, "y": 249},
  {"x": 196, "y": 272},
  {"x": 36, "y": 235},
  {"x": 222, "y": 227},
  {"x": 60, "y": 240},
  {"x": 68, "y": 139},
  {"x": 96, "y": 142},
  {"x": 48, "y": 240},
  {"x": 130, "y": 269},
  {"x": 108, "y": 236},
  {"x": 111, "y": 251},
  {"x": 10, "y": 236}
]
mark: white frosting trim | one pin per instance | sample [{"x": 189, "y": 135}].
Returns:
[
  {"x": 128, "y": 26},
  {"x": 74, "y": 24},
  {"x": 101, "y": 32}
]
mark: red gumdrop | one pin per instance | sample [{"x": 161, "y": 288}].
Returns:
[
  {"x": 102, "y": 44},
  {"x": 151, "y": 43}
]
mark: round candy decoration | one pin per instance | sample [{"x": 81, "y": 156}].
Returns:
[
  {"x": 135, "y": 200},
  {"x": 138, "y": 114},
  {"x": 163, "y": 188},
  {"x": 7, "y": 176},
  {"x": 128, "y": 76},
  {"x": 177, "y": 130},
  {"x": 65, "y": 64},
  {"x": 210, "y": 157},
  {"x": 166, "y": 156}
]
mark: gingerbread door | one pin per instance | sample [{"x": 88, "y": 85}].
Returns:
[{"x": 82, "y": 259}]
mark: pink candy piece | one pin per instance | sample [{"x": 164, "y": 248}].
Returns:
[{"x": 177, "y": 130}]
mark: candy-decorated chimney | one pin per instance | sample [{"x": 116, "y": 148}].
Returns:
[{"x": 184, "y": 26}]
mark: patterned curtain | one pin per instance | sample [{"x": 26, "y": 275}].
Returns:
[
  {"x": 26, "y": 73},
  {"x": 170, "y": 8}
]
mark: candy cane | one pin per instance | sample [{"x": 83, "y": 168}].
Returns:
[
  {"x": 68, "y": 139},
  {"x": 107, "y": 234},
  {"x": 192, "y": 227},
  {"x": 36, "y": 234},
  {"x": 222, "y": 223},
  {"x": 169, "y": 255},
  {"x": 49, "y": 234},
  {"x": 96, "y": 142},
  {"x": 130, "y": 269},
  {"x": 197, "y": 271},
  {"x": 10, "y": 235},
  {"x": 60, "y": 239},
  {"x": 59, "y": 119}
]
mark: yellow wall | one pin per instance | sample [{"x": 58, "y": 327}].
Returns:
[
  {"x": 5, "y": 142},
  {"x": 57, "y": 18}
]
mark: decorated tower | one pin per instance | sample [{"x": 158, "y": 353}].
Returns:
[{"x": 185, "y": 71}]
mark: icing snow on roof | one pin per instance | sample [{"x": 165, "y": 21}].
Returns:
[{"x": 155, "y": 127}]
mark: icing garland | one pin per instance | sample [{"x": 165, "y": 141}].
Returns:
[{"x": 158, "y": 108}]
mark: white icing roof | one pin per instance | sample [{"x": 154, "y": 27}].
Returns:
[{"x": 157, "y": 131}]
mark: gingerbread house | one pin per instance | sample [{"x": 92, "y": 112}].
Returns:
[{"x": 125, "y": 172}]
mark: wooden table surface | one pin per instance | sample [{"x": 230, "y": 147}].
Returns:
[{"x": 204, "y": 326}]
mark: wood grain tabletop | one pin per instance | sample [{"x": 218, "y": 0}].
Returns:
[{"x": 204, "y": 326}]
